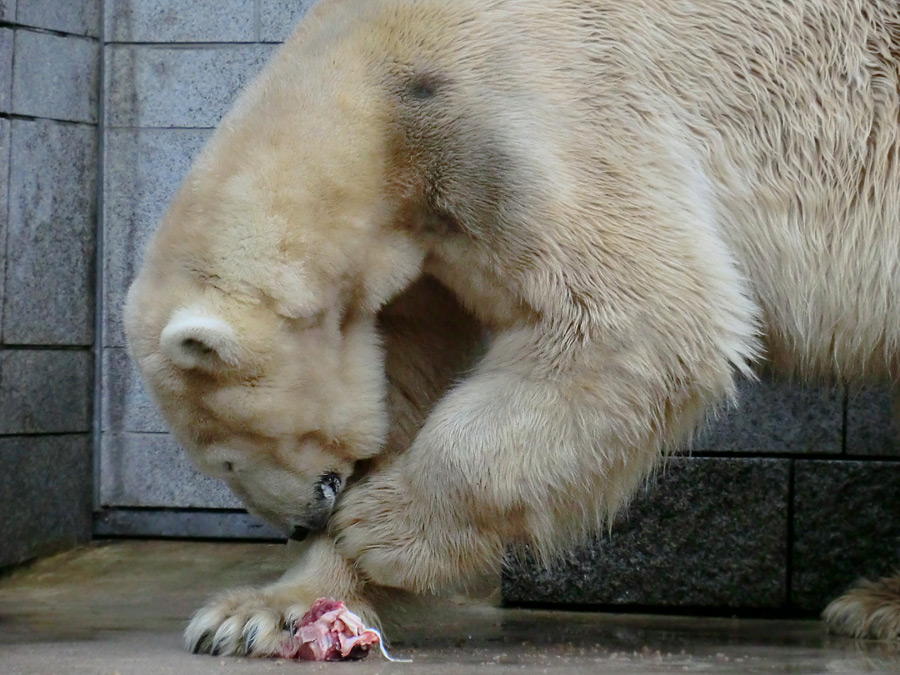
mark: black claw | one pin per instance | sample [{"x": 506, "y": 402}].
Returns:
[
  {"x": 217, "y": 647},
  {"x": 200, "y": 645},
  {"x": 250, "y": 639}
]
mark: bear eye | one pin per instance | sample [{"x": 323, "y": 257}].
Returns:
[{"x": 227, "y": 467}]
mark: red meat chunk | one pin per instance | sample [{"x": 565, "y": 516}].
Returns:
[{"x": 330, "y": 632}]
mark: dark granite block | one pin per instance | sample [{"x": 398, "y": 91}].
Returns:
[
  {"x": 846, "y": 525},
  {"x": 44, "y": 391},
  {"x": 45, "y": 495},
  {"x": 127, "y": 406},
  {"x": 81, "y": 17},
  {"x": 873, "y": 421},
  {"x": 152, "y": 470},
  {"x": 778, "y": 417},
  {"x": 179, "y": 21},
  {"x": 711, "y": 533},
  {"x": 156, "y": 86},
  {"x": 143, "y": 169},
  {"x": 55, "y": 77},
  {"x": 51, "y": 244}
]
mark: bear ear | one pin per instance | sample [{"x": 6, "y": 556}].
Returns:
[{"x": 194, "y": 340}]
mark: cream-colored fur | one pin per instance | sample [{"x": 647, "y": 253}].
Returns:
[{"x": 636, "y": 200}]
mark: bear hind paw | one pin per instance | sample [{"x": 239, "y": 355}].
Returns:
[{"x": 870, "y": 610}]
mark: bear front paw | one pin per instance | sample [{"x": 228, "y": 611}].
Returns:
[
  {"x": 245, "y": 622},
  {"x": 403, "y": 542},
  {"x": 871, "y": 610}
]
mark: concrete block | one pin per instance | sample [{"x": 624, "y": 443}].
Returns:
[
  {"x": 81, "y": 17},
  {"x": 143, "y": 169},
  {"x": 8, "y": 10},
  {"x": 153, "y": 470},
  {"x": 51, "y": 243},
  {"x": 45, "y": 391},
  {"x": 55, "y": 77},
  {"x": 4, "y": 209},
  {"x": 127, "y": 406},
  {"x": 846, "y": 526},
  {"x": 180, "y": 21},
  {"x": 45, "y": 495},
  {"x": 165, "y": 87},
  {"x": 279, "y": 18},
  {"x": 778, "y": 417},
  {"x": 6, "y": 52},
  {"x": 711, "y": 533},
  {"x": 873, "y": 421}
]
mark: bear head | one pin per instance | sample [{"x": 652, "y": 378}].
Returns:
[{"x": 340, "y": 173}]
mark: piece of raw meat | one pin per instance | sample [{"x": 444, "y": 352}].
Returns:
[{"x": 331, "y": 632}]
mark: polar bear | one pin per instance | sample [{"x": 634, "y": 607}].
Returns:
[{"x": 455, "y": 275}]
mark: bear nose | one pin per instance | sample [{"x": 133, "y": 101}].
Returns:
[{"x": 299, "y": 533}]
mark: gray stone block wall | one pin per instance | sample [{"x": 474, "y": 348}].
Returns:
[{"x": 49, "y": 93}]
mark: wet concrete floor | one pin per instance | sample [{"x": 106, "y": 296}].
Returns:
[{"x": 119, "y": 608}]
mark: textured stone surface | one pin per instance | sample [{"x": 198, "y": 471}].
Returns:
[
  {"x": 8, "y": 10},
  {"x": 81, "y": 17},
  {"x": 4, "y": 210},
  {"x": 278, "y": 18},
  {"x": 873, "y": 421},
  {"x": 180, "y": 21},
  {"x": 143, "y": 169},
  {"x": 55, "y": 77},
  {"x": 51, "y": 243},
  {"x": 778, "y": 417},
  {"x": 45, "y": 495},
  {"x": 45, "y": 391},
  {"x": 152, "y": 470},
  {"x": 846, "y": 526},
  {"x": 127, "y": 405},
  {"x": 712, "y": 533},
  {"x": 6, "y": 52},
  {"x": 164, "y": 87}
]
